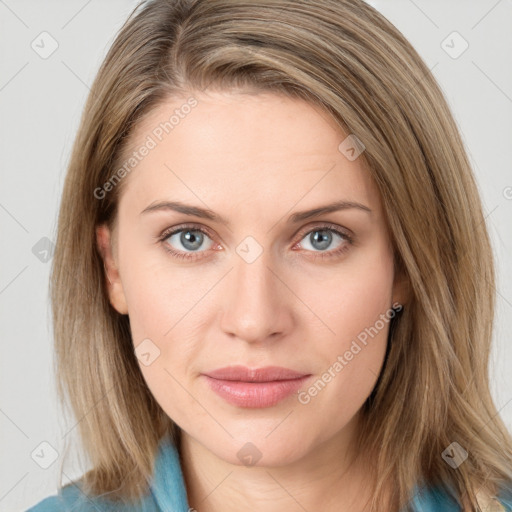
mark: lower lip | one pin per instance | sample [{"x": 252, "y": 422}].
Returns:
[{"x": 255, "y": 394}]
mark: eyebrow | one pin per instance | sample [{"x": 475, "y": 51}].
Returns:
[{"x": 203, "y": 213}]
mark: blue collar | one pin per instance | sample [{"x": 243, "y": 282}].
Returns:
[{"x": 168, "y": 485}]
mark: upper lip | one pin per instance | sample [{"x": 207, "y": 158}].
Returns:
[{"x": 244, "y": 374}]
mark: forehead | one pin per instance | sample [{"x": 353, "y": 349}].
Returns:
[{"x": 243, "y": 146}]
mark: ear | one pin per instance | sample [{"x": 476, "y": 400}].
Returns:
[
  {"x": 401, "y": 288},
  {"x": 114, "y": 284}
]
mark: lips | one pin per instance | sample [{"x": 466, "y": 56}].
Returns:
[
  {"x": 244, "y": 374},
  {"x": 256, "y": 388}
]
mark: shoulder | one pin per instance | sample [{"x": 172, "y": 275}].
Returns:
[
  {"x": 68, "y": 499},
  {"x": 72, "y": 499},
  {"x": 504, "y": 497},
  {"x": 501, "y": 502},
  {"x": 435, "y": 498},
  {"x": 167, "y": 491},
  {"x": 427, "y": 498}
]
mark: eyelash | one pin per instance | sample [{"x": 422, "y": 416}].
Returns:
[{"x": 192, "y": 256}]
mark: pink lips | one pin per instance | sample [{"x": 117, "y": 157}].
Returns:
[{"x": 261, "y": 387}]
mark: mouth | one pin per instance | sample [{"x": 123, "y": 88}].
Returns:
[{"x": 255, "y": 388}]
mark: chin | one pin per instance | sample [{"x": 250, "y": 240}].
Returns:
[{"x": 261, "y": 452}]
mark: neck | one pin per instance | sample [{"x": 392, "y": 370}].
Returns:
[{"x": 331, "y": 477}]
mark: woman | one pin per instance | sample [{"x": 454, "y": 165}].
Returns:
[{"x": 220, "y": 354}]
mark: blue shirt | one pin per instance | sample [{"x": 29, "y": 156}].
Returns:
[{"x": 168, "y": 493}]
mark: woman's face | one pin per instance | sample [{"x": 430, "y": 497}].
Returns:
[{"x": 252, "y": 280}]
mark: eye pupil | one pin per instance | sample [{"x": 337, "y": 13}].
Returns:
[
  {"x": 323, "y": 241},
  {"x": 191, "y": 241}
]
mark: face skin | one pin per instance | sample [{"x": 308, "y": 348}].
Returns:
[{"x": 255, "y": 159}]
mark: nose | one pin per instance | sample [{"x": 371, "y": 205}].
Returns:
[{"x": 257, "y": 305}]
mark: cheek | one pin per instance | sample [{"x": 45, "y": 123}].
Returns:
[
  {"x": 354, "y": 307},
  {"x": 155, "y": 295},
  {"x": 163, "y": 323},
  {"x": 352, "y": 298}
]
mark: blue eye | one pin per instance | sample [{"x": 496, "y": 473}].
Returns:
[
  {"x": 190, "y": 238},
  {"x": 322, "y": 238}
]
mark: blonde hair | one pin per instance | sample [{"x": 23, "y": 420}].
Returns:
[{"x": 345, "y": 57}]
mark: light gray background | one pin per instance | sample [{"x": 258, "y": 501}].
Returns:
[{"x": 40, "y": 106}]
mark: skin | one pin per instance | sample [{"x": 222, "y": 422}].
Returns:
[{"x": 255, "y": 159}]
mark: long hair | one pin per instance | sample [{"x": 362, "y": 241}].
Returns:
[{"x": 345, "y": 57}]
